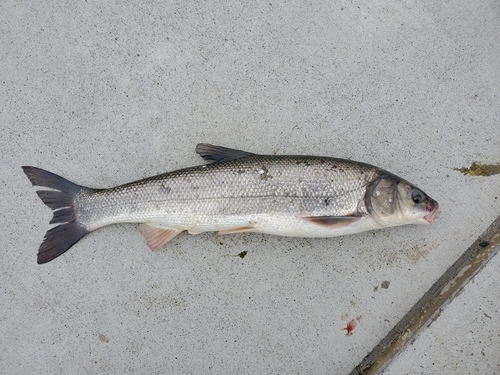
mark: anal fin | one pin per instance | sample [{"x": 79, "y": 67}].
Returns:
[
  {"x": 238, "y": 230},
  {"x": 333, "y": 221},
  {"x": 156, "y": 237}
]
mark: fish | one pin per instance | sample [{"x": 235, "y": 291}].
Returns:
[{"x": 236, "y": 192}]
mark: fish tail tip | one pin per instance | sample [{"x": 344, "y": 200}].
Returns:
[
  {"x": 30, "y": 172},
  {"x": 61, "y": 200},
  {"x": 58, "y": 240},
  {"x": 41, "y": 177}
]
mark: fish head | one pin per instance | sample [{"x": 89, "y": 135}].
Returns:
[{"x": 393, "y": 201}]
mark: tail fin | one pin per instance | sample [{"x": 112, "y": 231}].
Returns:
[{"x": 60, "y": 238}]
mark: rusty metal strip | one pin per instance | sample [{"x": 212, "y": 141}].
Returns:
[{"x": 428, "y": 308}]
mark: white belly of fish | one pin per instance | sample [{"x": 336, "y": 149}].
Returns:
[{"x": 270, "y": 224}]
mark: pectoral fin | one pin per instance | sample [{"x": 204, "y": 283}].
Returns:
[
  {"x": 333, "y": 221},
  {"x": 238, "y": 230},
  {"x": 156, "y": 237}
]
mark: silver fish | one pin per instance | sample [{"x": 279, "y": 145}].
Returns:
[{"x": 300, "y": 196}]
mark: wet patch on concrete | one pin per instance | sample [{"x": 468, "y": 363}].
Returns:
[
  {"x": 477, "y": 169},
  {"x": 103, "y": 338}
]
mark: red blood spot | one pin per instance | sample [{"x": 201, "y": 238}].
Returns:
[{"x": 350, "y": 327}]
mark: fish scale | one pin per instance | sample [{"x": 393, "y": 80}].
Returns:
[{"x": 289, "y": 185}]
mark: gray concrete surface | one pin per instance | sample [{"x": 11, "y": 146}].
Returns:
[
  {"x": 465, "y": 339},
  {"x": 105, "y": 93},
  {"x": 433, "y": 302}
]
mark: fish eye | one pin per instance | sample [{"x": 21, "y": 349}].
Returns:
[{"x": 417, "y": 196}]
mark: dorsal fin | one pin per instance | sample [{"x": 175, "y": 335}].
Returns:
[{"x": 219, "y": 153}]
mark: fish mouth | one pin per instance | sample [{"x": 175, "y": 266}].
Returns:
[{"x": 433, "y": 208}]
